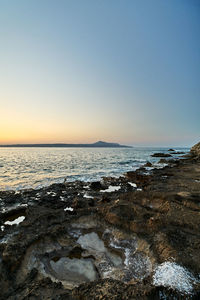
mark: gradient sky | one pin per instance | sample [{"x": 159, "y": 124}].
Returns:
[{"x": 116, "y": 70}]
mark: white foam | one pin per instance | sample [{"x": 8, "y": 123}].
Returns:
[
  {"x": 2, "y": 228},
  {"x": 16, "y": 221},
  {"x": 140, "y": 190},
  {"x": 160, "y": 165},
  {"x": 68, "y": 208},
  {"x": 110, "y": 189},
  {"x": 170, "y": 274}
]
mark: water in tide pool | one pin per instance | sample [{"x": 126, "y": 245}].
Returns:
[{"x": 35, "y": 167}]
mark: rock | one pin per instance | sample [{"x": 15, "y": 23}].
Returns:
[
  {"x": 195, "y": 150},
  {"x": 79, "y": 203},
  {"x": 163, "y": 161},
  {"x": 161, "y": 155},
  {"x": 178, "y": 152},
  {"x": 139, "y": 178},
  {"x": 148, "y": 164},
  {"x": 171, "y": 150},
  {"x": 96, "y": 185}
]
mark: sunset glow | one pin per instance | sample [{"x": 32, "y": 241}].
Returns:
[{"x": 83, "y": 71}]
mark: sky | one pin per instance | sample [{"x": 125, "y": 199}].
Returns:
[{"x": 123, "y": 71}]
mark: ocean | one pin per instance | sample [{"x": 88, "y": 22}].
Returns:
[{"x": 22, "y": 168}]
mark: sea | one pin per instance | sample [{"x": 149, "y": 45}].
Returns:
[{"x": 25, "y": 168}]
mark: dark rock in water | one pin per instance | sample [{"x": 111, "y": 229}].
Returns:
[
  {"x": 163, "y": 161},
  {"x": 171, "y": 150},
  {"x": 148, "y": 164},
  {"x": 177, "y": 152},
  {"x": 161, "y": 155}
]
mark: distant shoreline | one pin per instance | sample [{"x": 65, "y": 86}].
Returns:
[{"x": 99, "y": 144}]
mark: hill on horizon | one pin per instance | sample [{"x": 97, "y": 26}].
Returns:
[{"x": 99, "y": 144}]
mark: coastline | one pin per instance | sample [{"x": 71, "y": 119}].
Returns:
[
  {"x": 27, "y": 168},
  {"x": 145, "y": 224}
]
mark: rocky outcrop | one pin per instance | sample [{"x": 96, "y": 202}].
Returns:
[{"x": 195, "y": 150}]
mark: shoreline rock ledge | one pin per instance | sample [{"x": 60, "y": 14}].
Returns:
[{"x": 133, "y": 237}]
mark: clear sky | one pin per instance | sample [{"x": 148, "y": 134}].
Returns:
[{"x": 116, "y": 70}]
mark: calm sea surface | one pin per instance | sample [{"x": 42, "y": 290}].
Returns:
[{"x": 36, "y": 167}]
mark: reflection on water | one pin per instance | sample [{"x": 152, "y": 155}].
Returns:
[{"x": 35, "y": 167}]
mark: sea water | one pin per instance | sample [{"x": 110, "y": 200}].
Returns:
[{"x": 36, "y": 167}]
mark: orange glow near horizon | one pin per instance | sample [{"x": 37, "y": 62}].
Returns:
[{"x": 101, "y": 70}]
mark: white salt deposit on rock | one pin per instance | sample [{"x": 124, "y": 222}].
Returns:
[
  {"x": 87, "y": 196},
  {"x": 133, "y": 184},
  {"x": 16, "y": 221},
  {"x": 68, "y": 209},
  {"x": 172, "y": 275},
  {"x": 110, "y": 189},
  {"x": 53, "y": 194}
]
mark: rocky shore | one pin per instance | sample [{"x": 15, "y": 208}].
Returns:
[{"x": 132, "y": 237}]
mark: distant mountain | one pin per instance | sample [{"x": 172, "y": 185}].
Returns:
[
  {"x": 105, "y": 144},
  {"x": 100, "y": 144}
]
